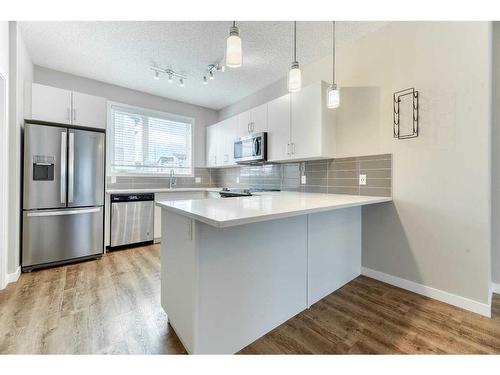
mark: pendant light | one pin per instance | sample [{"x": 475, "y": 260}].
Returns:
[
  {"x": 332, "y": 93},
  {"x": 234, "y": 55},
  {"x": 294, "y": 74}
]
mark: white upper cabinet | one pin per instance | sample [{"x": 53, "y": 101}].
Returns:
[
  {"x": 89, "y": 110},
  {"x": 312, "y": 134},
  {"x": 299, "y": 126},
  {"x": 51, "y": 104},
  {"x": 259, "y": 119},
  {"x": 278, "y": 136},
  {"x": 244, "y": 122},
  {"x": 253, "y": 120},
  {"x": 67, "y": 107},
  {"x": 211, "y": 140}
]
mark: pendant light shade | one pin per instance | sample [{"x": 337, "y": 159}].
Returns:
[
  {"x": 333, "y": 96},
  {"x": 294, "y": 78},
  {"x": 333, "y": 93},
  {"x": 234, "y": 54},
  {"x": 294, "y": 74}
]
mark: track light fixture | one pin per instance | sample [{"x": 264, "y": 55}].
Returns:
[
  {"x": 171, "y": 75},
  {"x": 211, "y": 70}
]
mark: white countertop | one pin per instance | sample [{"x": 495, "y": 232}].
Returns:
[
  {"x": 227, "y": 212},
  {"x": 159, "y": 190}
]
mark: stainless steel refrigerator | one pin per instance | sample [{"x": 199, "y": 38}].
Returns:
[{"x": 63, "y": 195}]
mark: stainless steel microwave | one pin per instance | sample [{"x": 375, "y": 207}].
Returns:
[{"x": 251, "y": 149}]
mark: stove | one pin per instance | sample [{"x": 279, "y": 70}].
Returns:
[{"x": 231, "y": 193}]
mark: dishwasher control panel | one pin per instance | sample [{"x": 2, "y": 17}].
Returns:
[{"x": 132, "y": 197}]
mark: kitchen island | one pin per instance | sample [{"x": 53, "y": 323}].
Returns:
[{"x": 233, "y": 269}]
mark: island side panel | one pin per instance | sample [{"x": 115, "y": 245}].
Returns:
[
  {"x": 334, "y": 255},
  {"x": 179, "y": 275},
  {"x": 253, "y": 277}
]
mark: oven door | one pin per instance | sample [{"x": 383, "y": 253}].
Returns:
[{"x": 251, "y": 148}]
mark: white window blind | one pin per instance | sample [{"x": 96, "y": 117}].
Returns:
[{"x": 149, "y": 142}]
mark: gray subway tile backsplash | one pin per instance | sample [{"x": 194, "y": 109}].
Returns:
[{"x": 333, "y": 176}]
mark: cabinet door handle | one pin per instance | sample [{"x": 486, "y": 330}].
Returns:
[
  {"x": 68, "y": 114},
  {"x": 288, "y": 148},
  {"x": 293, "y": 148},
  {"x": 74, "y": 114}
]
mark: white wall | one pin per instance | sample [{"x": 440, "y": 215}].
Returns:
[
  {"x": 203, "y": 116},
  {"x": 21, "y": 72},
  {"x": 4, "y": 134},
  {"x": 437, "y": 231}
]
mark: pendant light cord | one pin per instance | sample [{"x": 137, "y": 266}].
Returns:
[
  {"x": 294, "y": 41},
  {"x": 334, "y": 57}
]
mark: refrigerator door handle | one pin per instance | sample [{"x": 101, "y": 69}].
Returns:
[
  {"x": 63, "y": 168},
  {"x": 63, "y": 212},
  {"x": 71, "y": 166}
]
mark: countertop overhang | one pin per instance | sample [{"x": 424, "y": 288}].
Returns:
[
  {"x": 160, "y": 190},
  {"x": 227, "y": 212}
]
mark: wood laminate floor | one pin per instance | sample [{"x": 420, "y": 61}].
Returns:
[{"x": 113, "y": 306}]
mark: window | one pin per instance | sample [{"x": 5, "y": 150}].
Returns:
[{"x": 145, "y": 142}]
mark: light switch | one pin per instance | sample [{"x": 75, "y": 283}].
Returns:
[
  {"x": 362, "y": 179},
  {"x": 303, "y": 180},
  {"x": 237, "y": 179},
  {"x": 113, "y": 179},
  {"x": 197, "y": 180}
]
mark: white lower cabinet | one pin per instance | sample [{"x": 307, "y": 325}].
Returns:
[{"x": 173, "y": 196}]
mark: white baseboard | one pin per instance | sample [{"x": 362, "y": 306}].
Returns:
[
  {"x": 13, "y": 277},
  {"x": 440, "y": 295},
  {"x": 495, "y": 288}
]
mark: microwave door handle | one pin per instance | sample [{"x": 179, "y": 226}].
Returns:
[{"x": 256, "y": 147}]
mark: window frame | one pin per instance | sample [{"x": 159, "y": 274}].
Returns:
[{"x": 145, "y": 112}]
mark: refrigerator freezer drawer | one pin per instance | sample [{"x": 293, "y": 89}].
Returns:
[
  {"x": 131, "y": 222},
  {"x": 58, "y": 235}
]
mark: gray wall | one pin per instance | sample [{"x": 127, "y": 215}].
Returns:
[
  {"x": 437, "y": 232},
  {"x": 495, "y": 178},
  {"x": 203, "y": 116}
]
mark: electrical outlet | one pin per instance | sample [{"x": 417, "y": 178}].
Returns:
[
  {"x": 362, "y": 179},
  {"x": 197, "y": 180},
  {"x": 237, "y": 179},
  {"x": 303, "y": 180}
]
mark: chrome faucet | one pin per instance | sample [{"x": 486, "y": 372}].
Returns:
[{"x": 173, "y": 179}]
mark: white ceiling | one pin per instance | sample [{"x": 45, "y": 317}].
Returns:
[{"x": 121, "y": 53}]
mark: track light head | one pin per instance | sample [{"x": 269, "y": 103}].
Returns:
[
  {"x": 157, "y": 75},
  {"x": 211, "y": 75},
  {"x": 170, "y": 78},
  {"x": 181, "y": 82},
  {"x": 205, "y": 81}
]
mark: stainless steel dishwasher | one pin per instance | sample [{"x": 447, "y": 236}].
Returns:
[{"x": 132, "y": 219}]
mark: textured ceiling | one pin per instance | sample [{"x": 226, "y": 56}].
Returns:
[{"x": 122, "y": 52}]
